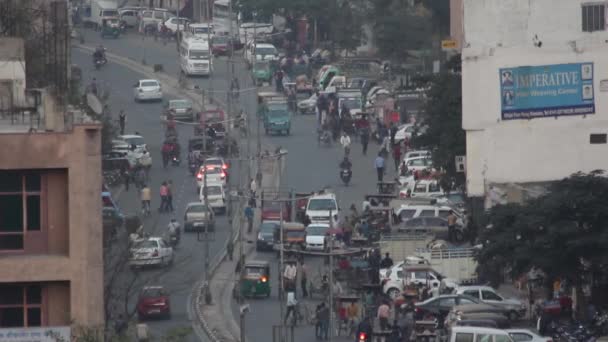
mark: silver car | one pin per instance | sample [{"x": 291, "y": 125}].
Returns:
[{"x": 180, "y": 109}]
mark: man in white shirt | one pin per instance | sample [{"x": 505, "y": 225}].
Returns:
[
  {"x": 290, "y": 276},
  {"x": 345, "y": 142},
  {"x": 291, "y": 305}
]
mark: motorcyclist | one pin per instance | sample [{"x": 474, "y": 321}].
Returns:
[
  {"x": 99, "y": 54},
  {"x": 173, "y": 229},
  {"x": 346, "y": 164},
  {"x": 364, "y": 329}
]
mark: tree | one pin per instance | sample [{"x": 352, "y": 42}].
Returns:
[
  {"x": 399, "y": 28},
  {"x": 562, "y": 232},
  {"x": 444, "y": 135}
]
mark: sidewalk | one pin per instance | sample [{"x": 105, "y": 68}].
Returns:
[{"x": 217, "y": 319}]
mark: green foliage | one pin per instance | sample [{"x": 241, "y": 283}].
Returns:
[
  {"x": 443, "y": 109},
  {"x": 562, "y": 232}
]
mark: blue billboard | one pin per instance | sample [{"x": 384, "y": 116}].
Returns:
[{"x": 529, "y": 92}]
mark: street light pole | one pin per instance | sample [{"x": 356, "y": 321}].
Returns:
[
  {"x": 208, "y": 18},
  {"x": 331, "y": 276},
  {"x": 208, "y": 298},
  {"x": 281, "y": 273}
]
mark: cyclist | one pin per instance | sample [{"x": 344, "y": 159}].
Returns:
[{"x": 146, "y": 196}]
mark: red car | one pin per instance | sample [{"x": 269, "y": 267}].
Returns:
[
  {"x": 271, "y": 211},
  {"x": 153, "y": 302}
]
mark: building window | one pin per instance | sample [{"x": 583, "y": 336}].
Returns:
[
  {"x": 20, "y": 207},
  {"x": 594, "y": 17},
  {"x": 20, "y": 305}
]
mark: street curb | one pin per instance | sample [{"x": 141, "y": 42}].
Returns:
[{"x": 168, "y": 82}]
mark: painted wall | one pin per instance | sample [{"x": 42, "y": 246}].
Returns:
[{"x": 499, "y": 34}]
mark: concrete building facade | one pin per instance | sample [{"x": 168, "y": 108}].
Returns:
[
  {"x": 51, "y": 261},
  {"x": 456, "y": 22},
  {"x": 535, "y": 108}
]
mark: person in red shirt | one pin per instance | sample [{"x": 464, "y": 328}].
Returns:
[
  {"x": 397, "y": 155},
  {"x": 164, "y": 193}
]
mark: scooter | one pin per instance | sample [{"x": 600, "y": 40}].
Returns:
[
  {"x": 99, "y": 62},
  {"x": 345, "y": 175},
  {"x": 173, "y": 240},
  {"x": 175, "y": 161}
]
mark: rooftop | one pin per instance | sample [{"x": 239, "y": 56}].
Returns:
[{"x": 12, "y": 49}]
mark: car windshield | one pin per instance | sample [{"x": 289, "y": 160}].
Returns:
[
  {"x": 214, "y": 190},
  {"x": 352, "y": 103},
  {"x": 146, "y": 244},
  {"x": 316, "y": 230},
  {"x": 198, "y": 54},
  {"x": 322, "y": 204},
  {"x": 254, "y": 271},
  {"x": 220, "y": 40},
  {"x": 276, "y": 114},
  {"x": 149, "y": 84},
  {"x": 137, "y": 141},
  {"x": 153, "y": 292},
  {"x": 261, "y": 66},
  {"x": 295, "y": 234},
  {"x": 198, "y": 209},
  {"x": 265, "y": 51},
  {"x": 180, "y": 104}
]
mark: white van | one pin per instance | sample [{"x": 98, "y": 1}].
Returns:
[
  {"x": 477, "y": 334},
  {"x": 201, "y": 30},
  {"x": 321, "y": 207},
  {"x": 195, "y": 56}
]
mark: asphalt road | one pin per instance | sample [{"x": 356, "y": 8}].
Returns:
[{"x": 309, "y": 167}]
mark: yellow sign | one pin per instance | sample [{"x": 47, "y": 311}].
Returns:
[{"x": 448, "y": 44}]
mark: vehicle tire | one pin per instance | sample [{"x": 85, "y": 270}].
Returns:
[
  {"x": 513, "y": 316},
  {"x": 393, "y": 292}
]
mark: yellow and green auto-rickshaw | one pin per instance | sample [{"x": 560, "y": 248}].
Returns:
[{"x": 255, "y": 281}]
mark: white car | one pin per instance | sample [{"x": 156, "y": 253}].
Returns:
[
  {"x": 263, "y": 52},
  {"x": 215, "y": 175},
  {"x": 419, "y": 164},
  {"x": 523, "y": 335},
  {"x": 321, "y": 207},
  {"x": 415, "y": 154},
  {"x": 424, "y": 189},
  {"x": 405, "y": 131},
  {"x": 215, "y": 196},
  {"x": 147, "y": 90},
  {"x": 396, "y": 279},
  {"x": 309, "y": 105},
  {"x": 216, "y": 162},
  {"x": 173, "y": 23},
  {"x": 151, "y": 251},
  {"x": 134, "y": 139},
  {"x": 487, "y": 294},
  {"x": 316, "y": 238}
]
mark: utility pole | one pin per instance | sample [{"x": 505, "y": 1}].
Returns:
[
  {"x": 208, "y": 18},
  {"x": 281, "y": 271},
  {"x": 208, "y": 298},
  {"x": 331, "y": 277}
]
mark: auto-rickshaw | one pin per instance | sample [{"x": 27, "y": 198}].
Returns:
[
  {"x": 261, "y": 72},
  {"x": 110, "y": 28},
  {"x": 255, "y": 281}
]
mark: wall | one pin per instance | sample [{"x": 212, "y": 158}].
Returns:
[
  {"x": 12, "y": 72},
  {"x": 456, "y": 22},
  {"x": 499, "y": 34},
  {"x": 58, "y": 303},
  {"x": 78, "y": 151}
]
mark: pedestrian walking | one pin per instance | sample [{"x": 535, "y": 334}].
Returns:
[
  {"x": 364, "y": 140},
  {"x": 163, "y": 197},
  {"x": 451, "y": 226},
  {"x": 253, "y": 188},
  {"x": 379, "y": 164},
  {"x": 317, "y": 320},
  {"x": 383, "y": 315},
  {"x": 324, "y": 322},
  {"x": 146, "y": 196},
  {"x": 230, "y": 249},
  {"x": 345, "y": 142},
  {"x": 291, "y": 307},
  {"x": 304, "y": 278},
  {"x": 249, "y": 216},
  {"x": 170, "y": 196},
  {"x": 396, "y": 156},
  {"x": 126, "y": 178},
  {"x": 122, "y": 121}
]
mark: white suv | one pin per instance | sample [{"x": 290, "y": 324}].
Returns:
[
  {"x": 321, "y": 207},
  {"x": 397, "y": 278},
  {"x": 409, "y": 211}
]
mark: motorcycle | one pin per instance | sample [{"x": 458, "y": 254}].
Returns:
[
  {"x": 193, "y": 167},
  {"x": 99, "y": 62},
  {"x": 345, "y": 175},
  {"x": 175, "y": 160}
]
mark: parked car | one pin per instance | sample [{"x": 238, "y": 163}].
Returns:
[
  {"x": 265, "y": 238},
  {"x": 134, "y": 140},
  {"x": 130, "y": 16},
  {"x": 174, "y": 23},
  {"x": 197, "y": 216},
  {"x": 397, "y": 278},
  {"x": 145, "y": 90},
  {"x": 436, "y": 226},
  {"x": 416, "y": 154},
  {"x": 478, "y": 334},
  {"x": 524, "y": 335},
  {"x": 316, "y": 236},
  {"x": 153, "y": 301},
  {"x": 479, "y": 319},
  {"x": 442, "y": 305},
  {"x": 152, "y": 251},
  {"x": 215, "y": 196},
  {"x": 477, "y": 312},
  {"x": 181, "y": 109},
  {"x": 516, "y": 308}
]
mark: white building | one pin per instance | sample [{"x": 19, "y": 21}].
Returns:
[
  {"x": 535, "y": 93},
  {"x": 12, "y": 73}
]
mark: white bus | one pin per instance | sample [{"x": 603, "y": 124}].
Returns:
[
  {"x": 222, "y": 19},
  {"x": 195, "y": 56}
]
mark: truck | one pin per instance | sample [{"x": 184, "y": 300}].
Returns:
[
  {"x": 272, "y": 205},
  {"x": 454, "y": 262},
  {"x": 102, "y": 10},
  {"x": 195, "y": 56},
  {"x": 277, "y": 118}
]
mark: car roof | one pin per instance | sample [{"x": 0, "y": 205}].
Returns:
[
  {"x": 129, "y": 136},
  {"x": 475, "y": 287},
  {"x": 265, "y": 46},
  {"x": 149, "y": 80},
  {"x": 323, "y": 225},
  {"x": 323, "y": 196},
  {"x": 479, "y": 330}
]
